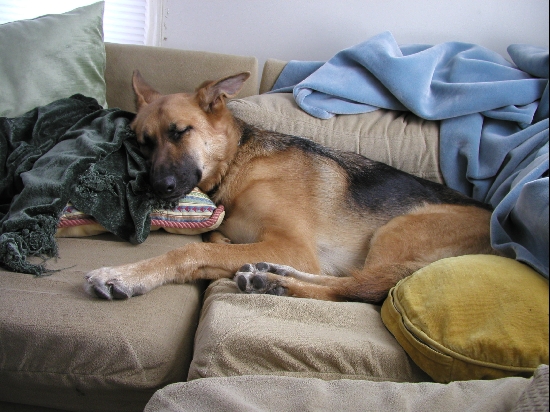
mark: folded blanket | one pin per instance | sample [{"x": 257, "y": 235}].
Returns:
[
  {"x": 70, "y": 150},
  {"x": 494, "y": 120}
]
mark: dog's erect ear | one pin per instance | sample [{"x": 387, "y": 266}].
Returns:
[
  {"x": 145, "y": 94},
  {"x": 212, "y": 94}
]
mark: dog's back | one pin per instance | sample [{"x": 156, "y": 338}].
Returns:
[{"x": 371, "y": 187}]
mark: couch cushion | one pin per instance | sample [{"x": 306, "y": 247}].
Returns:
[
  {"x": 242, "y": 334},
  {"x": 194, "y": 214},
  {"x": 282, "y": 394},
  {"x": 399, "y": 139},
  {"x": 270, "y": 73},
  {"x": 61, "y": 348},
  {"x": 472, "y": 317},
  {"x": 170, "y": 70},
  {"x": 52, "y": 57}
]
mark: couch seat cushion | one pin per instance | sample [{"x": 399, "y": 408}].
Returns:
[
  {"x": 61, "y": 348},
  {"x": 399, "y": 139},
  {"x": 472, "y": 317},
  {"x": 242, "y": 334},
  {"x": 285, "y": 394}
]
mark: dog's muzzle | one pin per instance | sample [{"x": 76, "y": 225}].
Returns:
[{"x": 176, "y": 182}]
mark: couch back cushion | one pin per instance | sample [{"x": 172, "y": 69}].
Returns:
[
  {"x": 399, "y": 139},
  {"x": 270, "y": 73},
  {"x": 170, "y": 71}
]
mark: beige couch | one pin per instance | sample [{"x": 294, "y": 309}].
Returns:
[
  {"x": 64, "y": 350},
  {"x": 61, "y": 349}
]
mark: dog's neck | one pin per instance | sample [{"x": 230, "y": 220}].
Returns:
[
  {"x": 236, "y": 137},
  {"x": 246, "y": 132}
]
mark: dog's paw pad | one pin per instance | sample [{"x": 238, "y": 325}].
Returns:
[
  {"x": 280, "y": 270},
  {"x": 277, "y": 291},
  {"x": 242, "y": 281},
  {"x": 262, "y": 266},
  {"x": 247, "y": 267},
  {"x": 259, "y": 278},
  {"x": 259, "y": 282}
]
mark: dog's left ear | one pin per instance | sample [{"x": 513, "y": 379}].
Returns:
[{"x": 213, "y": 94}]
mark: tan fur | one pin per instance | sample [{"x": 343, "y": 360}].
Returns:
[{"x": 278, "y": 210}]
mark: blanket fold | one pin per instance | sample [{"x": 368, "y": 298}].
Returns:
[
  {"x": 70, "y": 150},
  {"x": 493, "y": 115}
]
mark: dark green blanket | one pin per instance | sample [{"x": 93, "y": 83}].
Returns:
[{"x": 70, "y": 150}]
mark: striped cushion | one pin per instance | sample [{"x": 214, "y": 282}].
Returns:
[{"x": 194, "y": 214}]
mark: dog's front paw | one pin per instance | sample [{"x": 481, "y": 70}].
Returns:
[
  {"x": 261, "y": 278},
  {"x": 109, "y": 283}
]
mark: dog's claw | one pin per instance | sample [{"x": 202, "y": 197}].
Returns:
[
  {"x": 102, "y": 291},
  {"x": 120, "y": 291},
  {"x": 260, "y": 278}
]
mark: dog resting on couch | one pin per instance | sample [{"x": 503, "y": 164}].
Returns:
[{"x": 335, "y": 225}]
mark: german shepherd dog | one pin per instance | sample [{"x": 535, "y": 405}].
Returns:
[{"x": 334, "y": 225}]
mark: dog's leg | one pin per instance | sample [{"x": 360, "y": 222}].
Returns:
[
  {"x": 192, "y": 262},
  {"x": 258, "y": 278},
  {"x": 282, "y": 280},
  {"x": 402, "y": 246}
]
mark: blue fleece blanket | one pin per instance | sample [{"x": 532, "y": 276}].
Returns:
[{"x": 493, "y": 113}]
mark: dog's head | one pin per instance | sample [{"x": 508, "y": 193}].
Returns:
[{"x": 188, "y": 138}]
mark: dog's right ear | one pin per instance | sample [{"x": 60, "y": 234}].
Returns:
[
  {"x": 212, "y": 95},
  {"x": 145, "y": 94}
]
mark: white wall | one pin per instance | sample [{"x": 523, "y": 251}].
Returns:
[{"x": 317, "y": 29}]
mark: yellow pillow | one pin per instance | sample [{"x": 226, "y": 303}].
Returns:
[{"x": 471, "y": 317}]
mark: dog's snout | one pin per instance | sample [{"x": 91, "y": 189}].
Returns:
[
  {"x": 166, "y": 186},
  {"x": 172, "y": 181}
]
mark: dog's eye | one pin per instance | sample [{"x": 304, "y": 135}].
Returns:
[
  {"x": 147, "y": 144},
  {"x": 175, "y": 134}
]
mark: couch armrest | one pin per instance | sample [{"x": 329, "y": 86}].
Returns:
[
  {"x": 170, "y": 70},
  {"x": 270, "y": 74}
]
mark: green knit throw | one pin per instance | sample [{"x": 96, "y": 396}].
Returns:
[{"x": 70, "y": 150}]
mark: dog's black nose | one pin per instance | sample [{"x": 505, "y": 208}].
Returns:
[{"x": 166, "y": 186}]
